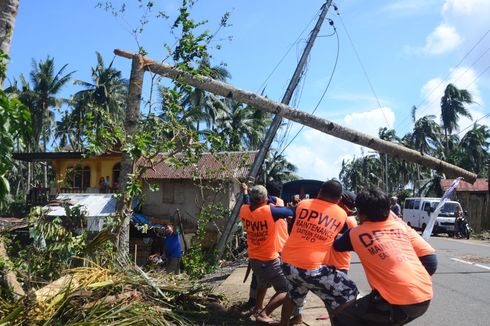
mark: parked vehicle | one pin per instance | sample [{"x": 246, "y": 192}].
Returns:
[{"x": 417, "y": 210}]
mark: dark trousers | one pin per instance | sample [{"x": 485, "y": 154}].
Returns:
[{"x": 373, "y": 310}]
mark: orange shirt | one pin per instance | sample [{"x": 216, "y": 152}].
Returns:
[
  {"x": 341, "y": 259},
  {"x": 260, "y": 228},
  {"x": 317, "y": 224},
  {"x": 422, "y": 247},
  {"x": 390, "y": 261},
  {"x": 281, "y": 229}
]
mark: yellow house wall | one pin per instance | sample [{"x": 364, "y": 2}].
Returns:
[{"x": 99, "y": 167}]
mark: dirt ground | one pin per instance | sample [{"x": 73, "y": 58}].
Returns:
[{"x": 237, "y": 293}]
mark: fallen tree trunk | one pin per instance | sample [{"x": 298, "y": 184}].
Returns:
[
  {"x": 307, "y": 119},
  {"x": 9, "y": 276}
]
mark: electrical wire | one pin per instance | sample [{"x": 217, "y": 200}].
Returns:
[
  {"x": 264, "y": 84},
  {"x": 486, "y": 115},
  {"x": 324, "y": 91},
  {"x": 363, "y": 69},
  {"x": 402, "y": 122}
]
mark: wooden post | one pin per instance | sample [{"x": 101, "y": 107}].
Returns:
[
  {"x": 307, "y": 119},
  {"x": 124, "y": 208}
]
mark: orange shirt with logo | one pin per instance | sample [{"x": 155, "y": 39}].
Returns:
[
  {"x": 390, "y": 261},
  {"x": 261, "y": 229},
  {"x": 316, "y": 225},
  {"x": 422, "y": 247},
  {"x": 281, "y": 229},
  {"x": 341, "y": 259}
]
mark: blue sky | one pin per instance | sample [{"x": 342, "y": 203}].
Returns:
[{"x": 410, "y": 50}]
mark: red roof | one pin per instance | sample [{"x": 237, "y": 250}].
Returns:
[
  {"x": 480, "y": 185},
  {"x": 223, "y": 165}
]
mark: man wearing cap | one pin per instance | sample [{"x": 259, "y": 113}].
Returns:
[
  {"x": 317, "y": 223},
  {"x": 395, "y": 208},
  {"x": 259, "y": 220}
]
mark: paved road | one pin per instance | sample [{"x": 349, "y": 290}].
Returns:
[{"x": 461, "y": 283}]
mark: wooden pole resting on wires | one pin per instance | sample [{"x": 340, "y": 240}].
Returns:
[{"x": 326, "y": 126}]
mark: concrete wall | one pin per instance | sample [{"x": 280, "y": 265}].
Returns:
[
  {"x": 476, "y": 203},
  {"x": 184, "y": 195},
  {"x": 99, "y": 167}
]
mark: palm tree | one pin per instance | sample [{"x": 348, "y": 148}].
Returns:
[
  {"x": 8, "y": 14},
  {"x": 206, "y": 106},
  {"x": 278, "y": 168},
  {"x": 474, "y": 147},
  {"x": 107, "y": 92},
  {"x": 389, "y": 172},
  {"x": 426, "y": 134},
  {"x": 45, "y": 85},
  {"x": 239, "y": 125},
  {"x": 360, "y": 173},
  {"x": 452, "y": 106}
]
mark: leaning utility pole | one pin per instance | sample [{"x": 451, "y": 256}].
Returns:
[{"x": 271, "y": 132}]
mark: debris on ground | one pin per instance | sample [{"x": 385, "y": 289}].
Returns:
[{"x": 122, "y": 294}]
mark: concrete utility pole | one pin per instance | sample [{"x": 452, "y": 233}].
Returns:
[{"x": 271, "y": 132}]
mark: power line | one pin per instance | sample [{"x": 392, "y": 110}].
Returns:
[
  {"x": 324, "y": 91},
  {"x": 288, "y": 50},
  {"x": 429, "y": 102},
  {"x": 423, "y": 101},
  {"x": 363, "y": 68},
  {"x": 486, "y": 115}
]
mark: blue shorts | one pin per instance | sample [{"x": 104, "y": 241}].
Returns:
[{"x": 333, "y": 287}]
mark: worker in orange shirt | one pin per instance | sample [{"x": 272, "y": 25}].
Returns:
[
  {"x": 317, "y": 223},
  {"x": 281, "y": 229},
  {"x": 341, "y": 260},
  {"x": 259, "y": 220},
  {"x": 389, "y": 253}
]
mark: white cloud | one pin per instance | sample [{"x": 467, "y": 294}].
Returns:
[
  {"x": 319, "y": 156},
  {"x": 463, "y": 23},
  {"x": 462, "y": 78},
  {"x": 443, "y": 39}
]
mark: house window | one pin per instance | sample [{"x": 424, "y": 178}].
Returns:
[
  {"x": 116, "y": 172},
  {"x": 78, "y": 177}
]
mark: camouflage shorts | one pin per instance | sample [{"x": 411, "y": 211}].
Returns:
[{"x": 333, "y": 287}]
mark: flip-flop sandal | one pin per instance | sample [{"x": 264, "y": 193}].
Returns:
[
  {"x": 267, "y": 322},
  {"x": 323, "y": 317}
]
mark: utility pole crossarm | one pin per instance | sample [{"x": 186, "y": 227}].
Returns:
[{"x": 307, "y": 119}]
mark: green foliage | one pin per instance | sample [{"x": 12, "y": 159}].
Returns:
[
  {"x": 15, "y": 128},
  {"x": 427, "y": 137},
  {"x": 197, "y": 263},
  {"x": 55, "y": 245}
]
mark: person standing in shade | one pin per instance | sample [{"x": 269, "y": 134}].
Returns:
[
  {"x": 259, "y": 220},
  {"x": 317, "y": 223},
  {"x": 395, "y": 208},
  {"x": 173, "y": 250},
  {"x": 397, "y": 266}
]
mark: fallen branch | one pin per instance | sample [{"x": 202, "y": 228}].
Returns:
[{"x": 9, "y": 276}]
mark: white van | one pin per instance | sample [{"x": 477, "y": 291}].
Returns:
[{"x": 416, "y": 212}]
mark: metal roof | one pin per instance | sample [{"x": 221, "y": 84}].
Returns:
[
  {"x": 223, "y": 165},
  {"x": 480, "y": 185},
  {"x": 95, "y": 205}
]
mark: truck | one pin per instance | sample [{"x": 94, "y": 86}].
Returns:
[{"x": 416, "y": 213}]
